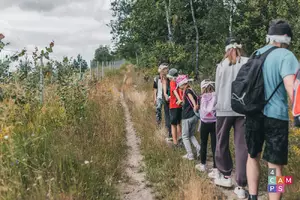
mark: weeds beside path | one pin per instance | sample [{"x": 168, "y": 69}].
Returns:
[{"x": 70, "y": 149}]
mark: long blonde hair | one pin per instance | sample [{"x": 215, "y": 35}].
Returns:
[
  {"x": 208, "y": 89},
  {"x": 234, "y": 55}
]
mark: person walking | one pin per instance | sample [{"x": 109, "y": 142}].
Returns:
[{"x": 226, "y": 119}]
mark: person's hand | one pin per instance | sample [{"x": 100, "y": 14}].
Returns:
[
  {"x": 166, "y": 97},
  {"x": 179, "y": 102},
  {"x": 196, "y": 108},
  {"x": 1, "y": 36}
]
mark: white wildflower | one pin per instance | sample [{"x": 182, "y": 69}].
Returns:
[
  {"x": 86, "y": 162},
  {"x": 6, "y": 137}
]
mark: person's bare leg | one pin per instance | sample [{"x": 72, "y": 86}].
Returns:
[
  {"x": 174, "y": 134},
  {"x": 253, "y": 169},
  {"x": 275, "y": 196},
  {"x": 179, "y": 131}
]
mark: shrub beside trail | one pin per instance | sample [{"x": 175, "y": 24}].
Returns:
[{"x": 69, "y": 148}]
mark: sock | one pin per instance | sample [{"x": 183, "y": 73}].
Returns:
[{"x": 252, "y": 197}]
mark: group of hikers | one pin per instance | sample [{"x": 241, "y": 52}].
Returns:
[{"x": 216, "y": 108}]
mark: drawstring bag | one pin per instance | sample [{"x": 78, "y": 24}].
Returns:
[{"x": 296, "y": 100}]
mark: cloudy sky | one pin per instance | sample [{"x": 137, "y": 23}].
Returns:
[{"x": 76, "y": 26}]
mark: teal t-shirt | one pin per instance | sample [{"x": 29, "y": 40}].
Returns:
[{"x": 278, "y": 64}]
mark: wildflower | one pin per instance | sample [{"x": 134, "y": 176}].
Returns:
[
  {"x": 86, "y": 162},
  {"x": 6, "y": 137}
]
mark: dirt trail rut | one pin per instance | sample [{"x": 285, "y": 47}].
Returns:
[{"x": 136, "y": 186}]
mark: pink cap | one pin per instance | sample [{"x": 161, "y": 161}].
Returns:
[{"x": 181, "y": 79}]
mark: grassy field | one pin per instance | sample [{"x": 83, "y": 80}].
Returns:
[
  {"x": 70, "y": 148},
  {"x": 171, "y": 176}
]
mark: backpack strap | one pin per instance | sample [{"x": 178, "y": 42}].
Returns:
[
  {"x": 277, "y": 87},
  {"x": 196, "y": 100},
  {"x": 265, "y": 54}
]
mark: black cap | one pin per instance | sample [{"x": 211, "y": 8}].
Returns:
[
  {"x": 232, "y": 40},
  {"x": 280, "y": 27}
]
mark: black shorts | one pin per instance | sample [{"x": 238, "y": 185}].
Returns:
[
  {"x": 175, "y": 115},
  {"x": 273, "y": 132}
]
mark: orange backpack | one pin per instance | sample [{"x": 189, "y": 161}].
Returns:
[{"x": 296, "y": 100}]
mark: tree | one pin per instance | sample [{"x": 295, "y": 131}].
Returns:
[
  {"x": 198, "y": 28},
  {"x": 102, "y": 54},
  {"x": 197, "y": 40},
  {"x": 25, "y": 67},
  {"x": 80, "y": 64}
]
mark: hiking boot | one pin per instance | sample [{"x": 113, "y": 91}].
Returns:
[
  {"x": 188, "y": 156},
  {"x": 214, "y": 173},
  {"x": 223, "y": 181},
  {"x": 240, "y": 192},
  {"x": 201, "y": 167}
]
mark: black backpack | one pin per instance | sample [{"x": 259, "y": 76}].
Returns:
[{"x": 248, "y": 94}]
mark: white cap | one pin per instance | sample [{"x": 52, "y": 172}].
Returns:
[{"x": 162, "y": 67}]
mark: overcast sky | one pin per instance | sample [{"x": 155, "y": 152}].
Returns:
[{"x": 76, "y": 26}]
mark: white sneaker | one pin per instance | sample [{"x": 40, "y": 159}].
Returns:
[
  {"x": 201, "y": 167},
  {"x": 214, "y": 173},
  {"x": 240, "y": 192},
  {"x": 188, "y": 156},
  {"x": 222, "y": 181}
]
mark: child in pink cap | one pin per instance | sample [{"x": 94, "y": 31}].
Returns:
[{"x": 189, "y": 118}]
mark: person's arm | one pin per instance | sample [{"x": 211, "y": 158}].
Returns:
[
  {"x": 289, "y": 85},
  {"x": 176, "y": 95},
  {"x": 288, "y": 69},
  {"x": 164, "y": 83},
  {"x": 195, "y": 106},
  {"x": 216, "y": 85}
]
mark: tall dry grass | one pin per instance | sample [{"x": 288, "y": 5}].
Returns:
[{"x": 46, "y": 154}]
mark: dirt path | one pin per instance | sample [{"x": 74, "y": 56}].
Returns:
[{"x": 135, "y": 188}]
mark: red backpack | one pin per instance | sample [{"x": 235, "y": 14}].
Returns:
[{"x": 296, "y": 100}]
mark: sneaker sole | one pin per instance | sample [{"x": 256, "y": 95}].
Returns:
[
  {"x": 188, "y": 159},
  {"x": 199, "y": 169},
  {"x": 212, "y": 177},
  {"x": 223, "y": 185}
]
